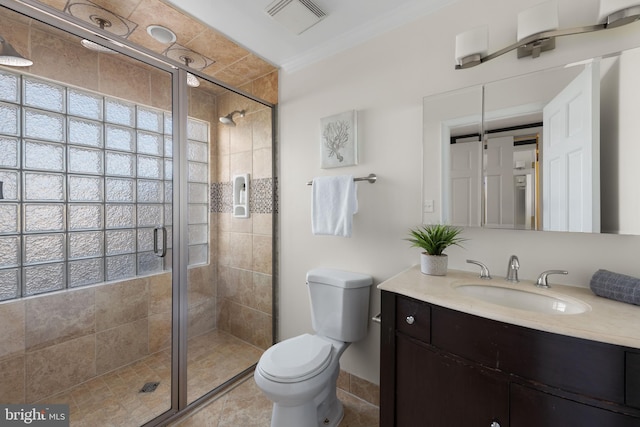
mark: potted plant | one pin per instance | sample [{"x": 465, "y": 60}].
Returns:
[{"x": 433, "y": 239}]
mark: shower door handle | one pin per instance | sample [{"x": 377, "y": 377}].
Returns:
[{"x": 160, "y": 252}]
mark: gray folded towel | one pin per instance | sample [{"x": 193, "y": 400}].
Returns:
[{"x": 616, "y": 286}]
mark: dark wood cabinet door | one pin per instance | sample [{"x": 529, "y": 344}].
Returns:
[
  {"x": 434, "y": 389},
  {"x": 534, "y": 408},
  {"x": 576, "y": 365}
]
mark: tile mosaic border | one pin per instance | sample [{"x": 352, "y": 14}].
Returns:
[{"x": 262, "y": 196}]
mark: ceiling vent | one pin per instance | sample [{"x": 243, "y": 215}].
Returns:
[{"x": 296, "y": 15}]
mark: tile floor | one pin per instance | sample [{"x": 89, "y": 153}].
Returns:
[
  {"x": 245, "y": 406},
  {"x": 114, "y": 399}
]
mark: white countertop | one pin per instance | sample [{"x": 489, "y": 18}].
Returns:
[{"x": 606, "y": 321}]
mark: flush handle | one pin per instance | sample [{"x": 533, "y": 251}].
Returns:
[{"x": 410, "y": 320}]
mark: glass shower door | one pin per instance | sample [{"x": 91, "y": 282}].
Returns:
[
  {"x": 85, "y": 229},
  {"x": 229, "y": 283}
]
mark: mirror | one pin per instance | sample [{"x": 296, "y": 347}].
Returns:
[
  {"x": 552, "y": 150},
  {"x": 454, "y": 115}
]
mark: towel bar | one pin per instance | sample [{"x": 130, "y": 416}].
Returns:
[{"x": 371, "y": 178}]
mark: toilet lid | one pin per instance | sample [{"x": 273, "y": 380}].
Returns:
[{"x": 296, "y": 359}]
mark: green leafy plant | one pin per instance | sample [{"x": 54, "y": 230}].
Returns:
[{"x": 435, "y": 238}]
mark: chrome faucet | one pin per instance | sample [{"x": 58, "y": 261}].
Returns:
[
  {"x": 512, "y": 269},
  {"x": 542, "y": 279},
  {"x": 484, "y": 271}
]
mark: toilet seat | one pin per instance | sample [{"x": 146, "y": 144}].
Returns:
[{"x": 295, "y": 359}]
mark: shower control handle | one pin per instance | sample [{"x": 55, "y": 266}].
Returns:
[{"x": 160, "y": 252}]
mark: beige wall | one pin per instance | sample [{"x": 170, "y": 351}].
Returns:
[{"x": 385, "y": 79}]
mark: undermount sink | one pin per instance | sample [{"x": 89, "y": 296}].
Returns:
[{"x": 522, "y": 299}]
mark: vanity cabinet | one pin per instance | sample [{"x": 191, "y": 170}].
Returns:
[
  {"x": 441, "y": 367},
  {"x": 435, "y": 389}
]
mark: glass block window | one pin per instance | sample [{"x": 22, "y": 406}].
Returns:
[
  {"x": 86, "y": 179},
  {"x": 198, "y": 173}
]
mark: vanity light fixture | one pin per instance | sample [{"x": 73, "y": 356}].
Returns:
[
  {"x": 10, "y": 56},
  {"x": 538, "y": 29}
]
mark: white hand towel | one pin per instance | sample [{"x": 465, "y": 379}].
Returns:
[{"x": 334, "y": 201}]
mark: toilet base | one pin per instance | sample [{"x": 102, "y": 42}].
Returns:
[
  {"x": 333, "y": 416},
  {"x": 294, "y": 416},
  {"x": 327, "y": 415},
  {"x": 330, "y": 411},
  {"x": 325, "y": 410}
]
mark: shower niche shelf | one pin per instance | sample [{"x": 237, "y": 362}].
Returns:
[{"x": 241, "y": 196}]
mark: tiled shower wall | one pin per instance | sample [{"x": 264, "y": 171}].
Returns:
[
  {"x": 53, "y": 342},
  {"x": 245, "y": 244}
]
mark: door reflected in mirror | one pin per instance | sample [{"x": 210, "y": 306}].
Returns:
[
  {"x": 453, "y": 117},
  {"x": 552, "y": 150}
]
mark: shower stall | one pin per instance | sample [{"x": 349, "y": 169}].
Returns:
[{"x": 128, "y": 289}]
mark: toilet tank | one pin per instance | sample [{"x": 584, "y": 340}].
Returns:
[{"x": 339, "y": 303}]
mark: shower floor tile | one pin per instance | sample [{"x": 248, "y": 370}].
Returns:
[{"x": 114, "y": 399}]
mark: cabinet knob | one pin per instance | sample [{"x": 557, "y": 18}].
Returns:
[
  {"x": 410, "y": 320},
  {"x": 495, "y": 424}
]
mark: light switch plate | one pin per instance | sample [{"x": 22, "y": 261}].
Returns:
[{"x": 428, "y": 206}]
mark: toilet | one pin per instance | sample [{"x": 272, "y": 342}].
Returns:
[{"x": 299, "y": 374}]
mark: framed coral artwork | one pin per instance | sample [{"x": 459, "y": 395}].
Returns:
[{"x": 339, "y": 140}]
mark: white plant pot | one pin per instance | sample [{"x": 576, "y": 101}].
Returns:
[{"x": 434, "y": 265}]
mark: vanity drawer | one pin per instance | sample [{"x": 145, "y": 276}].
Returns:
[
  {"x": 534, "y": 408},
  {"x": 413, "y": 318}
]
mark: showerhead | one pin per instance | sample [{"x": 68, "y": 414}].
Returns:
[{"x": 228, "y": 119}]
